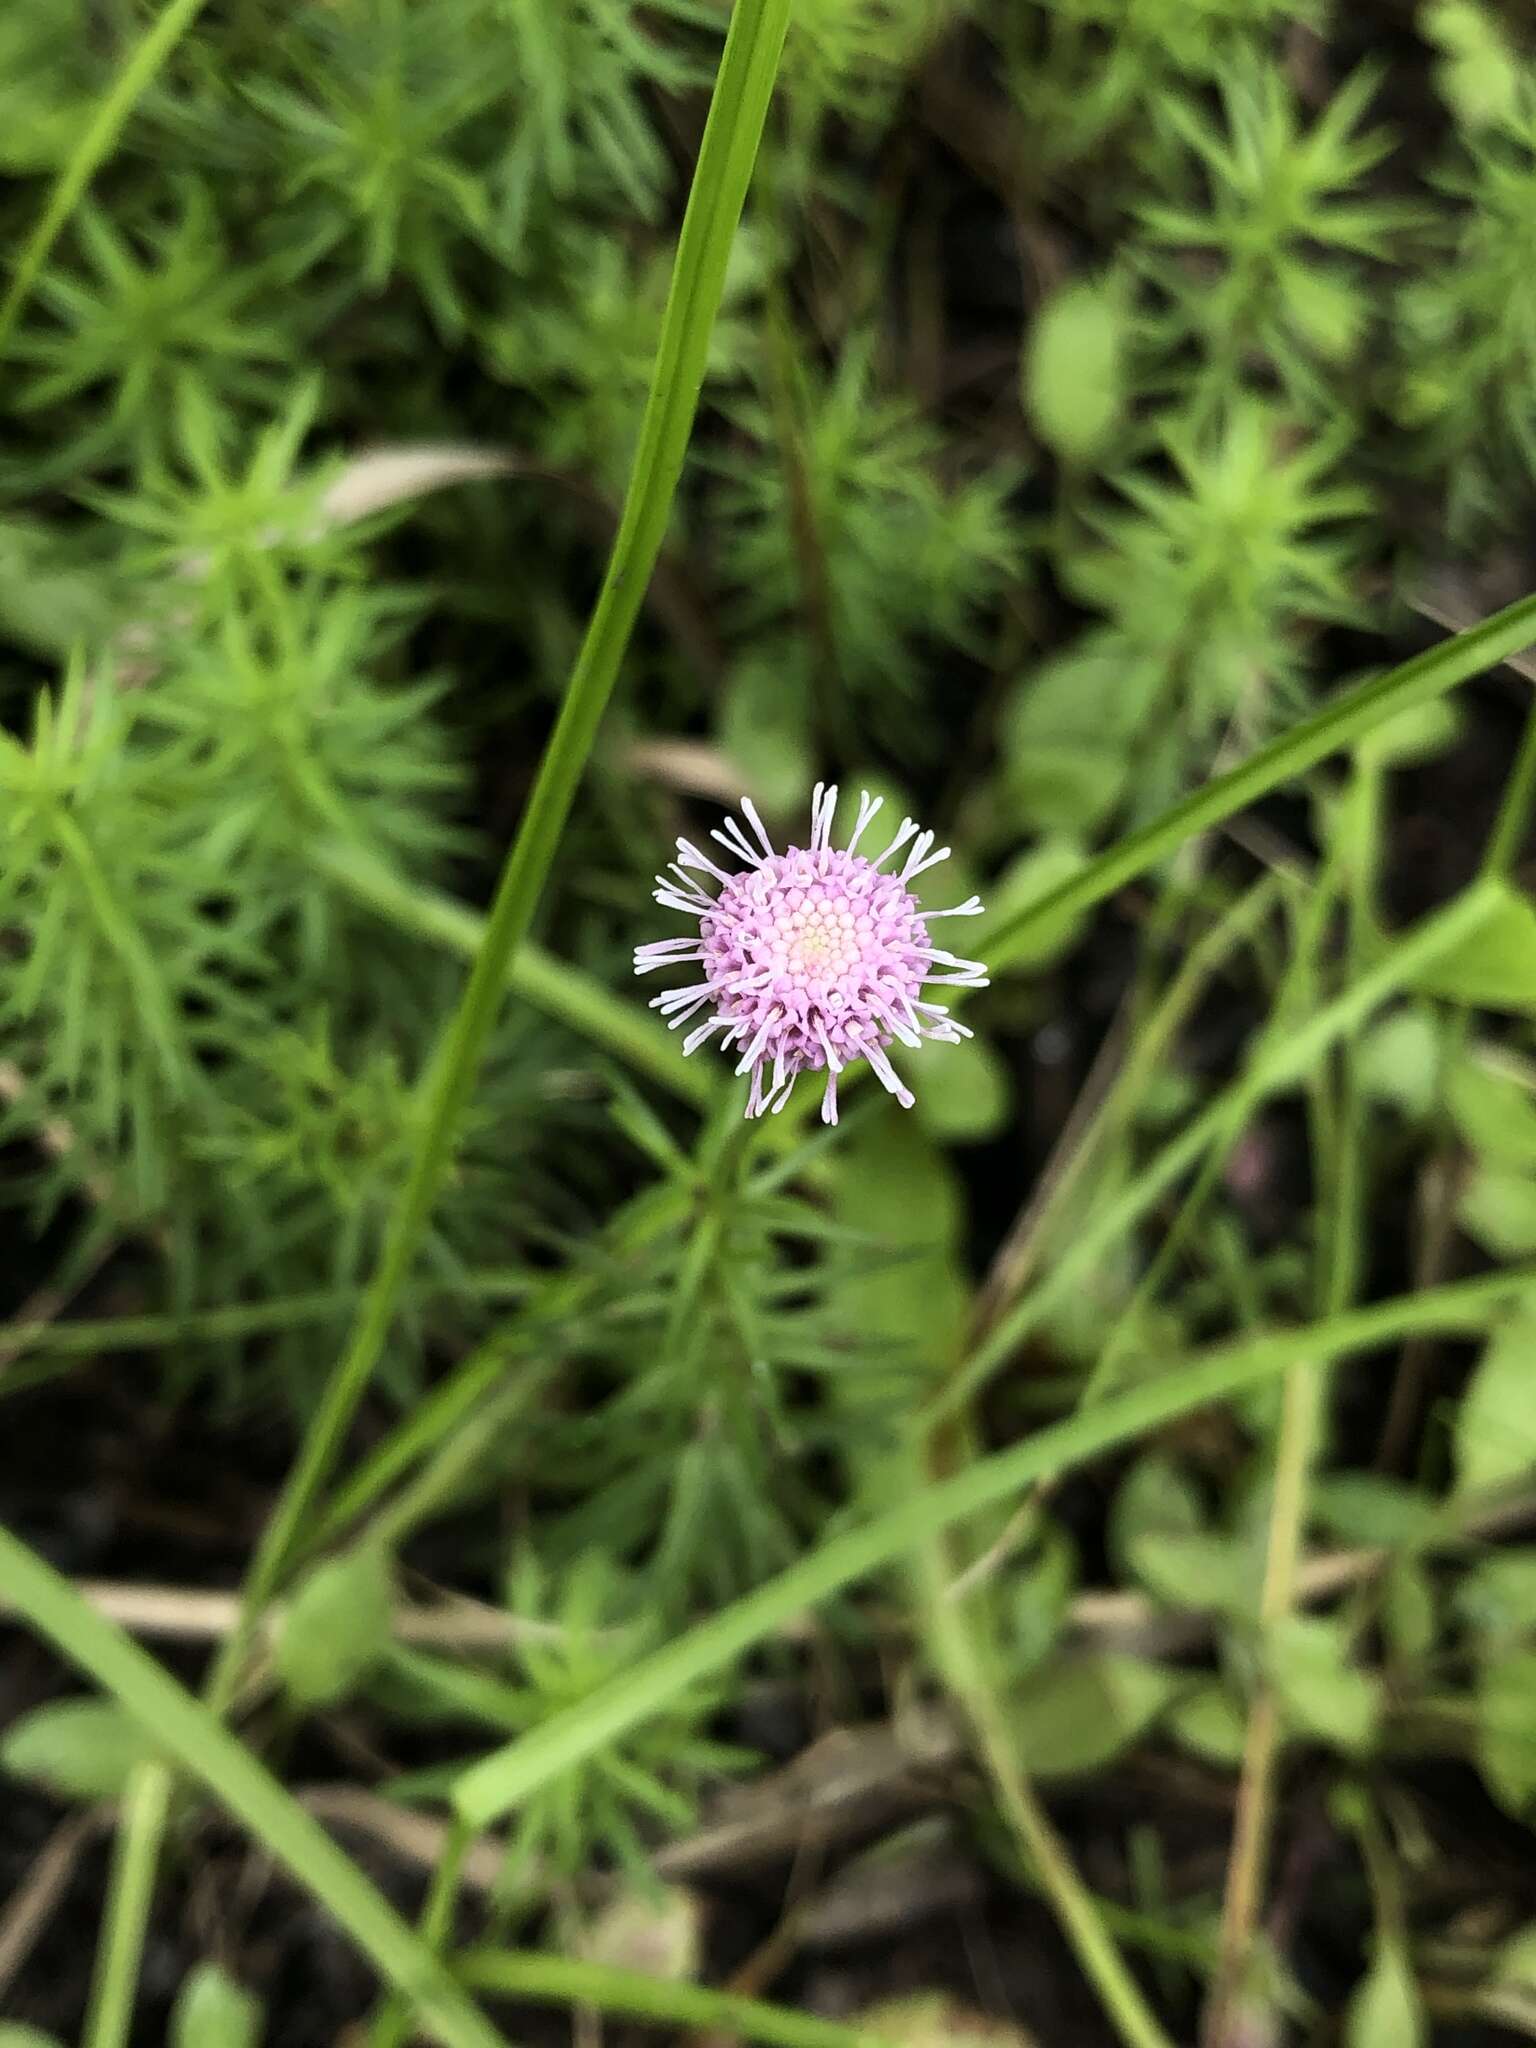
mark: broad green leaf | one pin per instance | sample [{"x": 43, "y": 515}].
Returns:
[
  {"x": 13, "y": 2034},
  {"x": 336, "y": 1628},
  {"x": 964, "y": 1092},
  {"x": 1494, "y": 967},
  {"x": 895, "y": 1185},
  {"x": 1197, "y": 1568},
  {"x": 212, "y": 2011},
  {"x": 1074, "y": 370},
  {"x": 1386, "y": 2011},
  {"x": 1325, "y": 1695},
  {"x": 1493, "y": 1108},
  {"x": 1497, "y": 1208},
  {"x": 1368, "y": 1508},
  {"x": 1156, "y": 1497},
  {"x": 1408, "y": 1610},
  {"x": 1495, "y": 1430},
  {"x": 1398, "y": 1061},
  {"x": 1080, "y": 1711},
  {"x": 1506, "y": 1728},
  {"x": 1210, "y": 1723},
  {"x": 79, "y": 1749},
  {"x": 1067, "y": 735}
]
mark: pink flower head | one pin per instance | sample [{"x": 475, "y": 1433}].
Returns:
[{"x": 812, "y": 958}]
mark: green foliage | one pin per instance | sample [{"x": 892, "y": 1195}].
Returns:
[
  {"x": 150, "y": 306},
  {"x": 1080, "y": 70},
  {"x": 1467, "y": 319},
  {"x": 575, "y": 1632},
  {"x": 336, "y": 1628},
  {"x": 1087, "y": 373},
  {"x": 77, "y": 1749},
  {"x": 1074, "y": 372},
  {"x": 406, "y": 137},
  {"x": 852, "y": 560},
  {"x": 1273, "y": 215},
  {"x": 1201, "y": 565},
  {"x": 212, "y": 2011}
]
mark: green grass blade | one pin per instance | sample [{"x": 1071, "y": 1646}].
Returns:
[
  {"x": 563, "y": 1980},
  {"x": 1345, "y": 719},
  {"x": 507, "y": 1776},
  {"x": 726, "y": 156},
  {"x": 189, "y": 1736},
  {"x": 93, "y": 149}
]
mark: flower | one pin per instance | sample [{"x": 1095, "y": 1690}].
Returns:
[{"x": 812, "y": 958}]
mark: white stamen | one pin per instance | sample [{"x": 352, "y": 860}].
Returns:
[
  {"x": 763, "y": 1034},
  {"x": 971, "y": 907},
  {"x": 685, "y": 1010},
  {"x": 732, "y": 837},
  {"x": 700, "y": 1032},
  {"x": 757, "y": 825},
  {"x": 666, "y": 953},
  {"x": 823, "y": 806},
  {"x": 669, "y": 899},
  {"x": 868, "y": 805},
  {"x": 974, "y": 978},
  {"x": 694, "y": 891},
  {"x": 893, "y": 1023},
  {"x": 693, "y": 858},
  {"x": 829, "y": 1097},
  {"x": 887, "y": 1075},
  {"x": 834, "y": 1064},
  {"x": 919, "y": 860},
  {"x": 907, "y": 829}
]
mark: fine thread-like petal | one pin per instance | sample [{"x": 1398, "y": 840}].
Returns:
[{"x": 813, "y": 958}]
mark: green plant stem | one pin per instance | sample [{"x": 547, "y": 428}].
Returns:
[
  {"x": 1276, "y": 1064},
  {"x": 190, "y": 1737},
  {"x": 577, "y": 1000},
  {"x": 130, "y": 1895},
  {"x": 498, "y": 1783},
  {"x": 564, "y": 1980},
  {"x": 1253, "y": 1817},
  {"x": 1346, "y": 719},
  {"x": 966, "y": 1665},
  {"x": 93, "y": 148}
]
